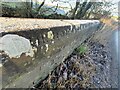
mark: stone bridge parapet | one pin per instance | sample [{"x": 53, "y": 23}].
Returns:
[{"x": 31, "y": 48}]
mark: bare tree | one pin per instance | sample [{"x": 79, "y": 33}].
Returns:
[{"x": 75, "y": 9}]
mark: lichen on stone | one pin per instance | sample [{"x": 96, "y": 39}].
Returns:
[
  {"x": 37, "y": 42},
  {"x": 1, "y": 65},
  {"x": 44, "y": 35},
  {"x": 14, "y": 46},
  {"x": 50, "y": 35},
  {"x": 46, "y": 47}
]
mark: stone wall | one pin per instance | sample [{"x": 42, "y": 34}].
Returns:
[{"x": 29, "y": 53}]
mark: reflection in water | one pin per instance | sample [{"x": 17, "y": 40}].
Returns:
[
  {"x": 114, "y": 44},
  {"x": 116, "y": 41},
  {"x": 115, "y": 65}
]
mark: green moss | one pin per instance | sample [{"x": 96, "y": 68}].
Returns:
[{"x": 82, "y": 49}]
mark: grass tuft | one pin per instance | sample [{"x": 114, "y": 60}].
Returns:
[{"x": 82, "y": 49}]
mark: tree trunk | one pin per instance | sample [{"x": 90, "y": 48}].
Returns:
[
  {"x": 75, "y": 9},
  {"x": 78, "y": 15},
  {"x": 88, "y": 6}
]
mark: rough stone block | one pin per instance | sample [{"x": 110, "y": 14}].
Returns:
[{"x": 31, "y": 48}]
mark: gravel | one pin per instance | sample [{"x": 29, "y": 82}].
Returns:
[{"x": 91, "y": 70}]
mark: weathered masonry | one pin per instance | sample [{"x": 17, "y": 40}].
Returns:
[{"x": 32, "y": 48}]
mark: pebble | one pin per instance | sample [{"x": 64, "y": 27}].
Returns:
[{"x": 65, "y": 75}]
